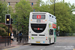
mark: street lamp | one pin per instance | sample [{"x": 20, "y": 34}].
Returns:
[
  {"x": 58, "y": 30},
  {"x": 54, "y": 7}
]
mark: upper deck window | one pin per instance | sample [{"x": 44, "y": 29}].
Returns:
[
  {"x": 41, "y": 17},
  {"x": 52, "y": 17}
]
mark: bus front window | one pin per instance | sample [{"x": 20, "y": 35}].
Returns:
[{"x": 38, "y": 28}]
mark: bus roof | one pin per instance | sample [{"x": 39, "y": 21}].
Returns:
[{"x": 42, "y": 12}]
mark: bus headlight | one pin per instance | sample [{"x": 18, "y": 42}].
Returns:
[{"x": 29, "y": 37}]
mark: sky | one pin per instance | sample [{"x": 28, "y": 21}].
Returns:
[{"x": 71, "y": 1}]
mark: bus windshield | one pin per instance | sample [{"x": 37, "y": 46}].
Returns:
[{"x": 38, "y": 28}]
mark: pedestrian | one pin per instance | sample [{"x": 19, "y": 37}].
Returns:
[
  {"x": 12, "y": 37},
  {"x": 20, "y": 36}
]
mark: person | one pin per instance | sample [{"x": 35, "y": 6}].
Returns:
[
  {"x": 12, "y": 37},
  {"x": 20, "y": 36}
]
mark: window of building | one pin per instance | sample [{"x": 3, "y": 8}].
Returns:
[
  {"x": 8, "y": 3},
  {"x": 32, "y": 3}
]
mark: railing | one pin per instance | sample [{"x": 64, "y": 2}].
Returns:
[
  {"x": 24, "y": 39},
  {"x": 5, "y": 41}
]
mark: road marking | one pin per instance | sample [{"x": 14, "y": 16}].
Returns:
[{"x": 42, "y": 48}]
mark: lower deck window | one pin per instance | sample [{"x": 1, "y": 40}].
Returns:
[
  {"x": 51, "y": 32},
  {"x": 38, "y": 28}
]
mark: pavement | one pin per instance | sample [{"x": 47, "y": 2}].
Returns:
[{"x": 14, "y": 44}]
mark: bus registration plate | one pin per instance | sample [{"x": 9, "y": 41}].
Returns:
[{"x": 37, "y": 41}]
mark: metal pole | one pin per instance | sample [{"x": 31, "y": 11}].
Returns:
[
  {"x": 17, "y": 27},
  {"x": 5, "y": 41},
  {"x": 54, "y": 7},
  {"x": 8, "y": 29},
  {"x": 8, "y": 34},
  {"x": 22, "y": 28}
]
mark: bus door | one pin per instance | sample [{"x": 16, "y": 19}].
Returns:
[{"x": 51, "y": 33}]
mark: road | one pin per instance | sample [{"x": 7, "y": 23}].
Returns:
[{"x": 63, "y": 43}]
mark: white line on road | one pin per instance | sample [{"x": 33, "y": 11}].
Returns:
[{"x": 42, "y": 48}]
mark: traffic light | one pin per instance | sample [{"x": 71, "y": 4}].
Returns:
[
  {"x": 11, "y": 21},
  {"x": 7, "y": 19}
]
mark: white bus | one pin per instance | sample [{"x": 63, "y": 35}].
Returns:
[{"x": 42, "y": 28}]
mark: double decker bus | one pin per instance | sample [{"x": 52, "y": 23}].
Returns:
[{"x": 42, "y": 28}]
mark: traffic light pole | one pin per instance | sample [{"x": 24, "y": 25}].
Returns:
[
  {"x": 54, "y": 7},
  {"x": 17, "y": 27},
  {"x": 22, "y": 28},
  {"x": 8, "y": 29}
]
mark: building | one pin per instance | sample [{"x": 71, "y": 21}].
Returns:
[{"x": 13, "y": 2}]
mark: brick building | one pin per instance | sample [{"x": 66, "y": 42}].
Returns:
[{"x": 13, "y": 2}]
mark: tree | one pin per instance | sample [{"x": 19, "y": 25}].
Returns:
[
  {"x": 3, "y": 10},
  {"x": 72, "y": 18},
  {"x": 23, "y": 10},
  {"x": 63, "y": 14}
]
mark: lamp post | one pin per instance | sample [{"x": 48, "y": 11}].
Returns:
[
  {"x": 58, "y": 30},
  {"x": 54, "y": 7}
]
